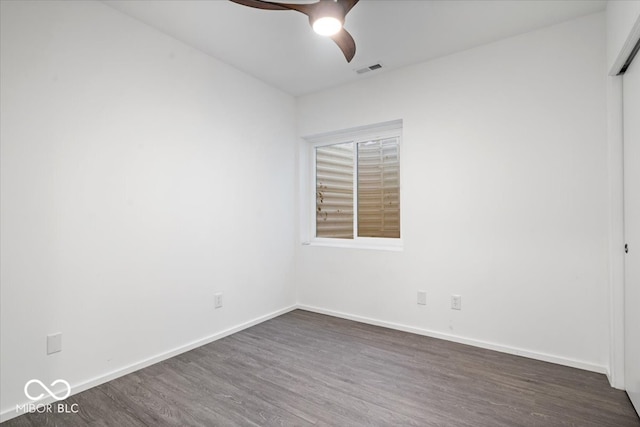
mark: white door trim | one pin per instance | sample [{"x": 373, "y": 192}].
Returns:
[{"x": 616, "y": 231}]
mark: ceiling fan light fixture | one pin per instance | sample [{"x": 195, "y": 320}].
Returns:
[
  {"x": 327, "y": 25},
  {"x": 326, "y": 17}
]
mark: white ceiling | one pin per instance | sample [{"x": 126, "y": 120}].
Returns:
[{"x": 280, "y": 48}]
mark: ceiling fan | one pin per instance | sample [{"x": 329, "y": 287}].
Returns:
[{"x": 325, "y": 16}]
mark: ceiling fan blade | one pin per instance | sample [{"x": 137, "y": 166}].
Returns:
[
  {"x": 346, "y": 43},
  {"x": 259, "y": 4},
  {"x": 348, "y": 5},
  {"x": 305, "y": 8},
  {"x": 314, "y": 10}
]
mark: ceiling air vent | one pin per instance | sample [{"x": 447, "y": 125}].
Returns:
[{"x": 369, "y": 68}]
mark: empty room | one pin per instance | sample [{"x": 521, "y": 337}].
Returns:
[{"x": 319, "y": 212}]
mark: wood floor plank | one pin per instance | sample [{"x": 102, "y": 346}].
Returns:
[{"x": 307, "y": 369}]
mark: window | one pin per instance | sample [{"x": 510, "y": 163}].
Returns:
[{"x": 356, "y": 187}]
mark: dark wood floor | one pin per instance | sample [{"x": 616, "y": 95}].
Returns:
[{"x": 308, "y": 369}]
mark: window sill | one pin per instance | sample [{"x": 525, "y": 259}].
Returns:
[{"x": 394, "y": 245}]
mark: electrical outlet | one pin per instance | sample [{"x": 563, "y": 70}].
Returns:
[
  {"x": 218, "y": 300},
  {"x": 456, "y": 302},
  {"x": 54, "y": 343},
  {"x": 422, "y": 297}
]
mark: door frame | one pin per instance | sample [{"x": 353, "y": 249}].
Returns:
[
  {"x": 615, "y": 142},
  {"x": 616, "y": 230}
]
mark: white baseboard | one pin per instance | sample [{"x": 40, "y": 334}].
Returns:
[
  {"x": 587, "y": 366},
  {"x": 8, "y": 414}
]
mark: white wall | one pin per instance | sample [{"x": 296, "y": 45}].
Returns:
[
  {"x": 504, "y": 197},
  {"x": 138, "y": 179}
]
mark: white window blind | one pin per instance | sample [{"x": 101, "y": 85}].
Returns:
[
  {"x": 334, "y": 191},
  {"x": 379, "y": 188}
]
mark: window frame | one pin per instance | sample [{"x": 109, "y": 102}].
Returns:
[{"x": 392, "y": 129}]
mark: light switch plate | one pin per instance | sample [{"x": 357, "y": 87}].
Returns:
[
  {"x": 422, "y": 297},
  {"x": 54, "y": 343}
]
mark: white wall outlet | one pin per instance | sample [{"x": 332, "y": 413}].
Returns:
[
  {"x": 54, "y": 343},
  {"x": 218, "y": 300},
  {"x": 456, "y": 302},
  {"x": 422, "y": 297}
]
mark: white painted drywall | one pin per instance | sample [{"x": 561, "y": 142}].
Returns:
[
  {"x": 139, "y": 177},
  {"x": 622, "y": 16},
  {"x": 504, "y": 197}
]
